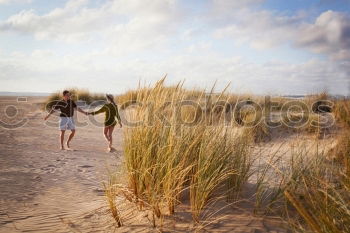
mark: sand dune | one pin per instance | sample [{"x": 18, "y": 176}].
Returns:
[{"x": 44, "y": 189}]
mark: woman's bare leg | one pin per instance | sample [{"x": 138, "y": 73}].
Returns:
[
  {"x": 110, "y": 134},
  {"x": 105, "y": 133}
]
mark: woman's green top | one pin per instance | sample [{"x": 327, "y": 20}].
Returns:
[{"x": 111, "y": 112}]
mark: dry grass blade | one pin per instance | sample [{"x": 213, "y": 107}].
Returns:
[
  {"x": 306, "y": 215},
  {"x": 111, "y": 192}
]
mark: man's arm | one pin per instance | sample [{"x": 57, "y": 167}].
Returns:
[
  {"x": 78, "y": 109},
  {"x": 49, "y": 114},
  {"x": 54, "y": 108},
  {"x": 81, "y": 110}
]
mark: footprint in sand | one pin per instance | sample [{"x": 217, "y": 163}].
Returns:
[
  {"x": 49, "y": 169},
  {"x": 99, "y": 191},
  {"x": 37, "y": 178},
  {"x": 86, "y": 166},
  {"x": 83, "y": 168}
]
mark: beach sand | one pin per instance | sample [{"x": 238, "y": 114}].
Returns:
[{"x": 44, "y": 189}]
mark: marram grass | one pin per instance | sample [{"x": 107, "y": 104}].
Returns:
[{"x": 165, "y": 159}]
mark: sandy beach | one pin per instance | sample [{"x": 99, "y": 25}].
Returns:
[{"x": 44, "y": 189}]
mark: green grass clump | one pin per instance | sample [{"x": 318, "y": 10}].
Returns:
[{"x": 171, "y": 161}]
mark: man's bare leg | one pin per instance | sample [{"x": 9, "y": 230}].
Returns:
[
  {"x": 62, "y": 139},
  {"x": 71, "y": 135}
]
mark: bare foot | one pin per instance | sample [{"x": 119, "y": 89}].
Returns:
[
  {"x": 110, "y": 149},
  {"x": 68, "y": 147},
  {"x": 62, "y": 148}
]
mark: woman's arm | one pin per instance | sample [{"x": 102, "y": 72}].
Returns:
[{"x": 101, "y": 110}]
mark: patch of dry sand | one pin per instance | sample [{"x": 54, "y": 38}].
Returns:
[{"x": 43, "y": 189}]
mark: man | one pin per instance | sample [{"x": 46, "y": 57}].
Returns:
[{"x": 66, "y": 107}]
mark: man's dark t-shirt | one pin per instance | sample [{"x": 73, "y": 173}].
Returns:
[{"x": 66, "y": 107}]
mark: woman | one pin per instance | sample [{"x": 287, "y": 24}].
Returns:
[{"x": 111, "y": 112}]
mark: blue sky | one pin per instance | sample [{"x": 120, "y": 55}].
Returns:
[
  {"x": 259, "y": 46},
  {"x": 318, "y": 6}
]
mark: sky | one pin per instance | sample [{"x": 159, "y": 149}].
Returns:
[{"x": 277, "y": 47}]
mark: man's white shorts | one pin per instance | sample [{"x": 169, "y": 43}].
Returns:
[{"x": 67, "y": 123}]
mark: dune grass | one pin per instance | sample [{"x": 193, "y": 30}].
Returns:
[
  {"x": 188, "y": 154},
  {"x": 163, "y": 160},
  {"x": 315, "y": 191},
  {"x": 76, "y": 94},
  {"x": 254, "y": 125},
  {"x": 322, "y": 200},
  {"x": 111, "y": 192},
  {"x": 342, "y": 112}
]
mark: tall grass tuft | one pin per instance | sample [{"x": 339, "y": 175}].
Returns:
[
  {"x": 342, "y": 112},
  {"x": 318, "y": 192},
  {"x": 255, "y": 127},
  {"x": 175, "y": 150},
  {"x": 111, "y": 192},
  {"x": 323, "y": 207}
]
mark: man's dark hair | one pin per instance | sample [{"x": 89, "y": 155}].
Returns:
[{"x": 65, "y": 92}]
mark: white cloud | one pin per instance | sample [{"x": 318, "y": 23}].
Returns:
[
  {"x": 247, "y": 22},
  {"x": 261, "y": 29},
  {"x": 14, "y": 1},
  {"x": 330, "y": 34},
  {"x": 124, "y": 25},
  {"x": 60, "y": 23},
  {"x": 133, "y": 25},
  {"x": 101, "y": 73},
  {"x": 229, "y": 6}
]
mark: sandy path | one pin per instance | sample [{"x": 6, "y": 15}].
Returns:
[{"x": 44, "y": 189}]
